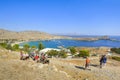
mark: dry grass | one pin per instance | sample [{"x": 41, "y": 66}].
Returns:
[{"x": 11, "y": 68}]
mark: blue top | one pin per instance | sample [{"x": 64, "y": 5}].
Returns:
[{"x": 104, "y": 60}]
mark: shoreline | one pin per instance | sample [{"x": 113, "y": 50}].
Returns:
[{"x": 19, "y": 42}]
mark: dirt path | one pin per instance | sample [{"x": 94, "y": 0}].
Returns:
[{"x": 110, "y": 72}]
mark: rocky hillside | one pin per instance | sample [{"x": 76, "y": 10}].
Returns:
[
  {"x": 11, "y": 68},
  {"x": 26, "y": 35}
]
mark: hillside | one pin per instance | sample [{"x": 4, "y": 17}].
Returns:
[
  {"x": 36, "y": 35},
  {"x": 26, "y": 35},
  {"x": 11, "y": 68}
]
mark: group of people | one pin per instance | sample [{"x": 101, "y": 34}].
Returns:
[
  {"x": 35, "y": 56},
  {"x": 102, "y": 61},
  {"x": 43, "y": 58}
]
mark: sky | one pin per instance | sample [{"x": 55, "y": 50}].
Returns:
[{"x": 85, "y": 17}]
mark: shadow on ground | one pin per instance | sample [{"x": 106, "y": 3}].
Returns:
[
  {"x": 79, "y": 67},
  {"x": 94, "y": 65}
]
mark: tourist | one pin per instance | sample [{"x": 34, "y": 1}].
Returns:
[
  {"x": 21, "y": 55},
  {"x": 36, "y": 58},
  {"x": 32, "y": 54},
  {"x": 26, "y": 56},
  {"x": 87, "y": 64},
  {"x": 103, "y": 61}
]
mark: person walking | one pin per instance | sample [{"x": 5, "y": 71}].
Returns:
[
  {"x": 103, "y": 61},
  {"x": 87, "y": 64}
]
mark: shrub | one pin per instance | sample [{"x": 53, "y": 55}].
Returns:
[
  {"x": 33, "y": 47},
  {"x": 83, "y": 53},
  {"x": 52, "y": 53},
  {"x": 40, "y": 46},
  {"x": 72, "y": 50},
  {"x": 26, "y": 47},
  {"x": 4, "y": 45},
  {"x": 62, "y": 54},
  {"x": 9, "y": 47},
  {"x": 116, "y": 58},
  {"x": 15, "y": 47},
  {"x": 55, "y": 53},
  {"x": 116, "y": 50}
]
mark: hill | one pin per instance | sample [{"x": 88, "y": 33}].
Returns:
[
  {"x": 11, "y": 68},
  {"x": 26, "y": 35}
]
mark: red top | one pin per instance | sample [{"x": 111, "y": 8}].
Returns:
[
  {"x": 87, "y": 60},
  {"x": 36, "y": 57}
]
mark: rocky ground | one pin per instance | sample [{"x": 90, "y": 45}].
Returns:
[{"x": 11, "y": 68}]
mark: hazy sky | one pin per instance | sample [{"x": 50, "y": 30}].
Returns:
[{"x": 94, "y": 17}]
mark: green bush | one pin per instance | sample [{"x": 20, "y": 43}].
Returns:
[
  {"x": 33, "y": 47},
  {"x": 116, "y": 58},
  {"x": 40, "y": 46},
  {"x": 9, "y": 47},
  {"x": 52, "y": 53},
  {"x": 55, "y": 53},
  {"x": 26, "y": 47},
  {"x": 16, "y": 47},
  {"x": 83, "y": 53},
  {"x": 4, "y": 45},
  {"x": 116, "y": 50},
  {"x": 62, "y": 54},
  {"x": 72, "y": 50}
]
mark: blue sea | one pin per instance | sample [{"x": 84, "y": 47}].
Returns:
[{"x": 55, "y": 43}]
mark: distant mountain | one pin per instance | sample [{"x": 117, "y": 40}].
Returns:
[{"x": 26, "y": 35}]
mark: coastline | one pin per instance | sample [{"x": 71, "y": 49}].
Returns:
[
  {"x": 100, "y": 41},
  {"x": 18, "y": 42}
]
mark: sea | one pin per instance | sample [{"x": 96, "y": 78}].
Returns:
[{"x": 56, "y": 43}]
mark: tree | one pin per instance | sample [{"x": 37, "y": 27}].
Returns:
[
  {"x": 55, "y": 53},
  {"x": 40, "y": 46},
  {"x": 52, "y": 53},
  {"x": 16, "y": 47},
  {"x": 26, "y": 47},
  {"x": 4, "y": 45},
  {"x": 9, "y": 47},
  {"x": 72, "y": 50},
  {"x": 33, "y": 47},
  {"x": 116, "y": 50},
  {"x": 83, "y": 53},
  {"x": 62, "y": 54}
]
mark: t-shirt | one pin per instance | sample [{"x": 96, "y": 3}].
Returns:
[
  {"x": 36, "y": 57},
  {"x": 87, "y": 60}
]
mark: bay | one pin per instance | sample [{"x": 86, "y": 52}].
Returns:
[{"x": 55, "y": 43}]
